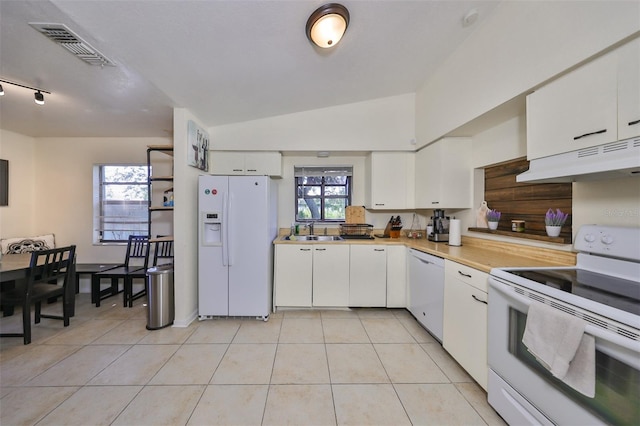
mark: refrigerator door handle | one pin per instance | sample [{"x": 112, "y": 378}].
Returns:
[
  {"x": 225, "y": 229},
  {"x": 230, "y": 233}
]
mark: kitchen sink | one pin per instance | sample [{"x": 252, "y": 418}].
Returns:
[{"x": 312, "y": 238}]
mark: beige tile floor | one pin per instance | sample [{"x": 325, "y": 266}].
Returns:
[{"x": 358, "y": 367}]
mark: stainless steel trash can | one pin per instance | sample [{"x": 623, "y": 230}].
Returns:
[{"x": 160, "y": 301}]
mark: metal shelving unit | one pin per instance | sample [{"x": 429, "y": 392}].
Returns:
[{"x": 167, "y": 150}]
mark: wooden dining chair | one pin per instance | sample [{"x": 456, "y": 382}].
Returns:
[
  {"x": 163, "y": 249},
  {"x": 137, "y": 248},
  {"x": 50, "y": 275}
]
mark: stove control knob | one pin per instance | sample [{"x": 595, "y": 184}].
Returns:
[
  {"x": 607, "y": 239},
  {"x": 589, "y": 238}
]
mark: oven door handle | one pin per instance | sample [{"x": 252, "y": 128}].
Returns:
[{"x": 608, "y": 336}]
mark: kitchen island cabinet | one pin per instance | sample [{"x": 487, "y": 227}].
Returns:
[
  {"x": 465, "y": 319},
  {"x": 368, "y": 276}
]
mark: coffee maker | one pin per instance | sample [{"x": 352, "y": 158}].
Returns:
[{"x": 440, "y": 227}]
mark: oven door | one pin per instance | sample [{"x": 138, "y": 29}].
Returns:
[{"x": 524, "y": 392}]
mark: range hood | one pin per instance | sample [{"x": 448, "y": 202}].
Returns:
[{"x": 608, "y": 161}]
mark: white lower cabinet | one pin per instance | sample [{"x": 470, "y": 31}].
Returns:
[
  {"x": 293, "y": 275},
  {"x": 368, "y": 276},
  {"x": 396, "y": 277},
  {"x": 331, "y": 275},
  {"x": 340, "y": 275},
  {"x": 465, "y": 319}
]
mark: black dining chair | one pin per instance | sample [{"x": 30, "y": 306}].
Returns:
[
  {"x": 51, "y": 275},
  {"x": 163, "y": 249},
  {"x": 137, "y": 248}
]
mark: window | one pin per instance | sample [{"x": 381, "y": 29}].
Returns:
[
  {"x": 120, "y": 202},
  {"x": 322, "y": 193}
]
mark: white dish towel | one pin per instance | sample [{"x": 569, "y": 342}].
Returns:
[{"x": 559, "y": 343}]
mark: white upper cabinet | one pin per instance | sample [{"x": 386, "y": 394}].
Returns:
[
  {"x": 443, "y": 175},
  {"x": 590, "y": 106},
  {"x": 246, "y": 163},
  {"x": 629, "y": 90},
  {"x": 390, "y": 180}
]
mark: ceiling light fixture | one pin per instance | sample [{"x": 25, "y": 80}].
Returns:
[
  {"x": 39, "y": 97},
  {"x": 327, "y": 25}
]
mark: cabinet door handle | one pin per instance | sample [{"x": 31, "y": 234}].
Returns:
[
  {"x": 590, "y": 134},
  {"x": 378, "y": 249},
  {"x": 435, "y": 202},
  {"x": 305, "y": 249},
  {"x": 379, "y": 204},
  {"x": 478, "y": 300},
  {"x": 320, "y": 249},
  {"x": 464, "y": 275},
  {"x": 237, "y": 170},
  {"x": 634, "y": 122},
  {"x": 252, "y": 170}
]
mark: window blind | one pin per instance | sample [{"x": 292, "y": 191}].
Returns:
[{"x": 300, "y": 171}]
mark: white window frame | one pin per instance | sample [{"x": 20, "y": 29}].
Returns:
[{"x": 130, "y": 227}]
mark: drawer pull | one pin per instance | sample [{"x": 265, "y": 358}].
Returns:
[
  {"x": 305, "y": 249},
  {"x": 252, "y": 170},
  {"x": 320, "y": 249},
  {"x": 478, "y": 300},
  {"x": 379, "y": 204},
  {"x": 634, "y": 122},
  {"x": 464, "y": 275},
  {"x": 590, "y": 134},
  {"x": 378, "y": 249}
]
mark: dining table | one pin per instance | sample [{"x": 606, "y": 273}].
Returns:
[{"x": 14, "y": 269}]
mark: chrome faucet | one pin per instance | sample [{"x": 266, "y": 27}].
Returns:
[{"x": 310, "y": 226}]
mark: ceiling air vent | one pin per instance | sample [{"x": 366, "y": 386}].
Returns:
[{"x": 62, "y": 35}]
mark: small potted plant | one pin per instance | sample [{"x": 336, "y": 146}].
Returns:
[
  {"x": 554, "y": 221},
  {"x": 493, "y": 217}
]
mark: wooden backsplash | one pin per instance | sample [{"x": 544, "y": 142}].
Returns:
[{"x": 525, "y": 201}]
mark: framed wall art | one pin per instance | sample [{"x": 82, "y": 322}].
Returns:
[
  {"x": 4, "y": 183},
  {"x": 197, "y": 146}
]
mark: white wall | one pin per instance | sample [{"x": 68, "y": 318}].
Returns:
[
  {"x": 18, "y": 218},
  {"x": 607, "y": 202},
  {"x": 63, "y": 188},
  {"x": 380, "y": 124},
  {"x": 518, "y": 47},
  {"x": 185, "y": 222}
]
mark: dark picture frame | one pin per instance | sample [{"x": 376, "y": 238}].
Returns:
[{"x": 4, "y": 182}]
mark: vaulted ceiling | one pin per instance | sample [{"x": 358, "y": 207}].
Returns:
[{"x": 226, "y": 61}]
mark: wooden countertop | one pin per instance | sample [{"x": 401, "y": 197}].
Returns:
[{"x": 476, "y": 253}]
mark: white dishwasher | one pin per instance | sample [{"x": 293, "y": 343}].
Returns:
[{"x": 426, "y": 290}]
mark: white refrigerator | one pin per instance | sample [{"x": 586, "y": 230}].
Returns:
[{"x": 236, "y": 228}]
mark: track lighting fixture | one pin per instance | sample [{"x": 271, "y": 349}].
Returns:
[
  {"x": 39, "y": 98},
  {"x": 38, "y": 93}
]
